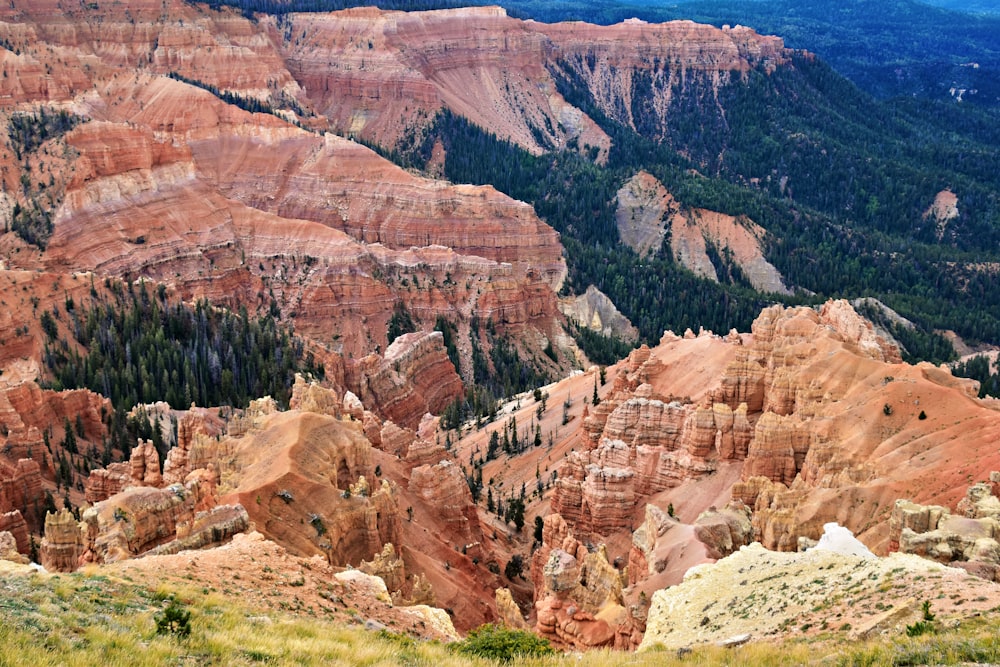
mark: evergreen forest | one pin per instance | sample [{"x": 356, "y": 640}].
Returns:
[{"x": 138, "y": 348}]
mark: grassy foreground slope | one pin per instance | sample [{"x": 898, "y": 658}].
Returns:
[{"x": 90, "y": 618}]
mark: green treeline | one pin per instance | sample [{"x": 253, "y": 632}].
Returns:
[
  {"x": 979, "y": 368},
  {"x": 138, "y": 348},
  {"x": 28, "y": 131},
  {"x": 251, "y": 104}
]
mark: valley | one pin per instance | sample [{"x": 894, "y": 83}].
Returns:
[{"x": 422, "y": 321}]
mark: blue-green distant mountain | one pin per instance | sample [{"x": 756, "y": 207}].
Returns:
[{"x": 968, "y": 6}]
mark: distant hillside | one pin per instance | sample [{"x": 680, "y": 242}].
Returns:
[
  {"x": 968, "y": 6},
  {"x": 840, "y": 183},
  {"x": 890, "y": 48}
]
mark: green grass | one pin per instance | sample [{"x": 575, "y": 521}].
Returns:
[{"x": 82, "y": 619}]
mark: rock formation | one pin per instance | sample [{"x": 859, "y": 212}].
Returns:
[
  {"x": 387, "y": 566},
  {"x": 294, "y": 475},
  {"x": 724, "y": 531},
  {"x": 209, "y": 528},
  {"x": 21, "y": 491},
  {"x": 580, "y": 604},
  {"x": 647, "y": 211},
  {"x": 443, "y": 487},
  {"x": 786, "y": 429},
  {"x": 643, "y": 207},
  {"x": 508, "y": 611},
  {"x": 968, "y": 540},
  {"x": 13, "y": 522},
  {"x": 62, "y": 545},
  {"x": 578, "y": 594},
  {"x": 379, "y": 74},
  {"x": 8, "y": 549},
  {"x": 142, "y": 518},
  {"x": 943, "y": 210},
  {"x": 415, "y": 377},
  {"x": 167, "y": 181},
  {"x": 597, "y": 312}
]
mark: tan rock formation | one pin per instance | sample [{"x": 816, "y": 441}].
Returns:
[
  {"x": 8, "y": 549},
  {"x": 508, "y": 611},
  {"x": 724, "y": 531},
  {"x": 294, "y": 476},
  {"x": 209, "y": 528},
  {"x": 310, "y": 396},
  {"x": 423, "y": 591},
  {"x": 970, "y": 540},
  {"x": 578, "y": 595},
  {"x": 142, "y": 518},
  {"x": 388, "y": 566},
  {"x": 644, "y": 560},
  {"x": 595, "y": 311},
  {"x": 62, "y": 545},
  {"x": 183, "y": 458}
]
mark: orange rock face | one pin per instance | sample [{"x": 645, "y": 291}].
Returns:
[
  {"x": 168, "y": 182},
  {"x": 814, "y": 407},
  {"x": 380, "y": 74},
  {"x": 415, "y": 377},
  {"x": 295, "y": 477},
  {"x": 443, "y": 487}
]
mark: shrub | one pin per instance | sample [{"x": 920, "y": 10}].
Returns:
[
  {"x": 514, "y": 567},
  {"x": 496, "y": 643},
  {"x": 175, "y": 620},
  {"x": 923, "y": 626}
]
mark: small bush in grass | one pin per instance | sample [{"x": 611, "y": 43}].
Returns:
[
  {"x": 175, "y": 620},
  {"x": 497, "y": 643}
]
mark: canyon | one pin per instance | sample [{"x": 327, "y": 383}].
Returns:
[{"x": 268, "y": 201}]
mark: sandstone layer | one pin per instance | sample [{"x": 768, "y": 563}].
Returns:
[
  {"x": 817, "y": 407},
  {"x": 162, "y": 179}
]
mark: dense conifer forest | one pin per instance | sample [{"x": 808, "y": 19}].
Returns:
[{"x": 139, "y": 348}]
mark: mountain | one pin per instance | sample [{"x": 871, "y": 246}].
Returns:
[
  {"x": 902, "y": 47},
  {"x": 276, "y": 272},
  {"x": 968, "y": 6}
]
